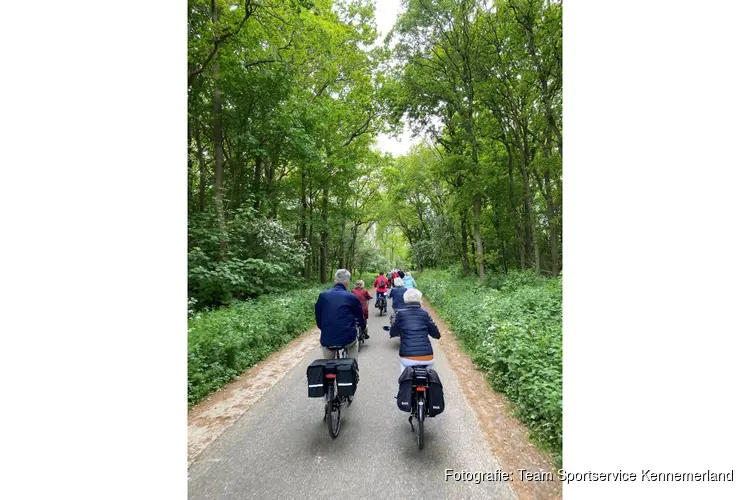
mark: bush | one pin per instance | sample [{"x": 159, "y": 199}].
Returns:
[
  {"x": 225, "y": 342},
  {"x": 513, "y": 331},
  {"x": 259, "y": 256}
]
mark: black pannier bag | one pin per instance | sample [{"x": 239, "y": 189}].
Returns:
[
  {"x": 316, "y": 382},
  {"x": 435, "y": 398},
  {"x": 403, "y": 400},
  {"x": 346, "y": 376}
]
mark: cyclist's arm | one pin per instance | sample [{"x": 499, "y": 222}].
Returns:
[
  {"x": 432, "y": 328},
  {"x": 396, "y": 326},
  {"x": 318, "y": 307}
]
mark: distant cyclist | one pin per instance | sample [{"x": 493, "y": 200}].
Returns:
[
  {"x": 409, "y": 281},
  {"x": 363, "y": 296},
  {"x": 397, "y": 294},
  {"x": 337, "y": 313},
  {"x": 381, "y": 287}
]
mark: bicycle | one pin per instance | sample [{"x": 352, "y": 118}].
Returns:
[
  {"x": 420, "y": 385},
  {"x": 381, "y": 303},
  {"x": 361, "y": 335},
  {"x": 334, "y": 402}
]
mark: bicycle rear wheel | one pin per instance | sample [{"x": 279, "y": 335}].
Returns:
[
  {"x": 334, "y": 412},
  {"x": 420, "y": 422}
]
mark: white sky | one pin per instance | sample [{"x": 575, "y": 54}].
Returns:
[{"x": 386, "y": 12}]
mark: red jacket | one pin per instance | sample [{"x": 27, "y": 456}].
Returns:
[
  {"x": 363, "y": 296},
  {"x": 381, "y": 284}
]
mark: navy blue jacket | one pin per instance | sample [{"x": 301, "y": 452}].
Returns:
[
  {"x": 337, "y": 312},
  {"x": 413, "y": 324},
  {"x": 397, "y": 294}
]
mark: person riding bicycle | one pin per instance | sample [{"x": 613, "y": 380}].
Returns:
[
  {"x": 381, "y": 287},
  {"x": 401, "y": 273},
  {"x": 415, "y": 327},
  {"x": 409, "y": 281},
  {"x": 363, "y": 296},
  {"x": 337, "y": 313},
  {"x": 397, "y": 294}
]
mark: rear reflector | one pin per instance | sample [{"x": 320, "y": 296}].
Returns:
[
  {"x": 421, "y": 389},
  {"x": 330, "y": 376}
]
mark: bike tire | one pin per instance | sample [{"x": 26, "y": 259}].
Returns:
[
  {"x": 334, "y": 421},
  {"x": 420, "y": 423}
]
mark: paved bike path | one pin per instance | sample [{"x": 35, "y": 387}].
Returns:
[{"x": 280, "y": 448}]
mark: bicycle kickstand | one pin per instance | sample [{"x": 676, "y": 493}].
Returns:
[{"x": 412, "y": 425}]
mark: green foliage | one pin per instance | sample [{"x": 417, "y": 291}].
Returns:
[
  {"x": 260, "y": 257},
  {"x": 225, "y": 342},
  {"x": 514, "y": 333}
]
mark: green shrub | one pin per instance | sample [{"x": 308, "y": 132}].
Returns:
[
  {"x": 512, "y": 329},
  {"x": 225, "y": 342}
]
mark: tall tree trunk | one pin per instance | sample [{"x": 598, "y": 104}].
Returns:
[
  {"x": 324, "y": 239},
  {"x": 464, "y": 248},
  {"x": 191, "y": 174},
  {"x": 271, "y": 185},
  {"x": 477, "y": 197},
  {"x": 217, "y": 137},
  {"x": 310, "y": 262},
  {"x": 256, "y": 182},
  {"x": 521, "y": 243},
  {"x": 201, "y": 172},
  {"x": 478, "y": 237},
  {"x": 531, "y": 219},
  {"x": 303, "y": 217},
  {"x": 342, "y": 256}
]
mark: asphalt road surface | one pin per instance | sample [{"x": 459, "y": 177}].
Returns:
[{"x": 280, "y": 448}]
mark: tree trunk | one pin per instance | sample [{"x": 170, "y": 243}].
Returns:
[
  {"x": 521, "y": 243},
  {"x": 324, "y": 239},
  {"x": 256, "y": 182},
  {"x": 464, "y": 248},
  {"x": 303, "y": 219},
  {"x": 478, "y": 237},
  {"x": 201, "y": 172},
  {"x": 531, "y": 220},
  {"x": 217, "y": 138}
]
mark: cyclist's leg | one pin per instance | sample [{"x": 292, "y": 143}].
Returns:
[
  {"x": 353, "y": 349},
  {"x": 328, "y": 354}
]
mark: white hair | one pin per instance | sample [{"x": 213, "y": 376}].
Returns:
[
  {"x": 398, "y": 282},
  {"x": 408, "y": 273},
  {"x": 342, "y": 276},
  {"x": 412, "y": 295}
]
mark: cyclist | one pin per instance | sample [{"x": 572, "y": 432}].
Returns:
[
  {"x": 381, "y": 287},
  {"x": 363, "y": 296},
  {"x": 409, "y": 281},
  {"x": 397, "y": 294},
  {"x": 337, "y": 313},
  {"x": 414, "y": 325}
]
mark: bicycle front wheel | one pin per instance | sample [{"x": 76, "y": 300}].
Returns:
[{"x": 334, "y": 412}]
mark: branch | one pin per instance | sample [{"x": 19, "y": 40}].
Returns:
[
  {"x": 361, "y": 130},
  {"x": 250, "y": 8}
]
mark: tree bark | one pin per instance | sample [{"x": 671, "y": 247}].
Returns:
[
  {"x": 324, "y": 238},
  {"x": 201, "y": 172},
  {"x": 521, "y": 244},
  {"x": 478, "y": 237},
  {"x": 256, "y": 182},
  {"x": 217, "y": 138},
  {"x": 464, "y": 247}
]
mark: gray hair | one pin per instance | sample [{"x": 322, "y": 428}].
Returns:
[
  {"x": 398, "y": 282},
  {"x": 342, "y": 276},
  {"x": 408, "y": 273},
  {"x": 412, "y": 295}
]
